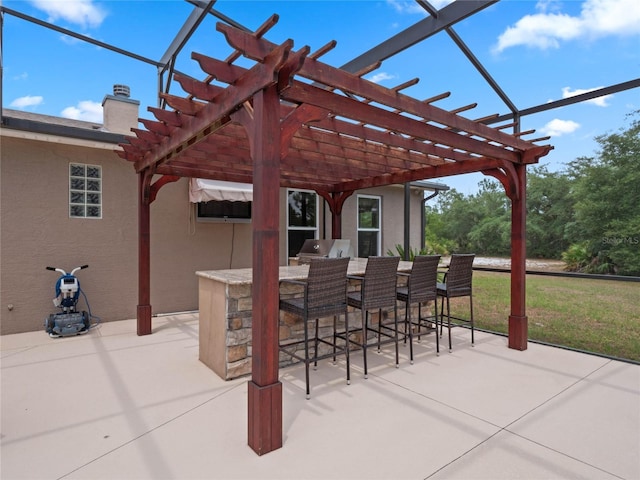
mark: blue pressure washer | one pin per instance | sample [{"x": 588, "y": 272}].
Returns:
[{"x": 68, "y": 321}]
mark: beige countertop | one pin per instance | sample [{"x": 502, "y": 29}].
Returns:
[{"x": 240, "y": 276}]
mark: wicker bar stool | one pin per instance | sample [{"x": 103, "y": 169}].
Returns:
[
  {"x": 457, "y": 282},
  {"x": 325, "y": 294},
  {"x": 377, "y": 291},
  {"x": 420, "y": 288}
]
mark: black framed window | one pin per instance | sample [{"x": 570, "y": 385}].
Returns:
[
  {"x": 369, "y": 215},
  {"x": 302, "y": 219}
]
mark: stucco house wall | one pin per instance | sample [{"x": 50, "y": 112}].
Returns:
[
  {"x": 392, "y": 204},
  {"x": 37, "y": 232}
]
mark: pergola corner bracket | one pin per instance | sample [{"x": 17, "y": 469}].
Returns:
[{"x": 506, "y": 175}]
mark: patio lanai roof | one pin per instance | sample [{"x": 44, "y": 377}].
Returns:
[{"x": 292, "y": 120}]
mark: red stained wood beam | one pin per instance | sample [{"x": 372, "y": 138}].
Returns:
[
  {"x": 201, "y": 90},
  {"x": 265, "y": 398},
  {"x": 161, "y": 182},
  {"x": 335, "y": 202},
  {"x": 386, "y": 138},
  {"x": 377, "y": 138},
  {"x": 354, "y": 109},
  {"x": 184, "y": 106},
  {"x": 212, "y": 116},
  {"x": 328, "y": 162},
  {"x": 168, "y": 117},
  {"x": 384, "y": 149},
  {"x": 314, "y": 140},
  {"x": 146, "y": 135},
  {"x": 306, "y": 113},
  {"x": 138, "y": 143},
  {"x": 219, "y": 70},
  {"x": 369, "y": 138},
  {"x": 143, "y": 313},
  {"x": 196, "y": 172},
  {"x": 445, "y": 170},
  {"x": 317, "y": 71},
  {"x": 518, "y": 322},
  {"x": 508, "y": 177},
  {"x": 159, "y": 128}
]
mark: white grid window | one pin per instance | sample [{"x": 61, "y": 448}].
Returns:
[{"x": 85, "y": 191}]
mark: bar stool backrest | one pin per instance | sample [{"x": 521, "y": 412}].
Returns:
[
  {"x": 459, "y": 275},
  {"x": 379, "y": 285},
  {"x": 327, "y": 283},
  {"x": 422, "y": 282}
]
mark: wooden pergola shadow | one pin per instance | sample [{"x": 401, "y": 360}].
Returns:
[{"x": 291, "y": 120}]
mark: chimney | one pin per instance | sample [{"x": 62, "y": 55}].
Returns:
[{"x": 120, "y": 113}]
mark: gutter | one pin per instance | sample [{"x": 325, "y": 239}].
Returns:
[{"x": 33, "y": 126}]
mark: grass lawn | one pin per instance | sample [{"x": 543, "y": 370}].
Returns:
[{"x": 600, "y": 316}]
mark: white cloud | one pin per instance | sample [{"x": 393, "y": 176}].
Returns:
[
  {"x": 81, "y": 12},
  {"x": 549, "y": 27},
  {"x": 549, "y": 5},
  {"x": 86, "y": 110},
  {"x": 599, "y": 101},
  {"x": 380, "y": 77},
  {"x": 27, "y": 101},
  {"x": 22, "y": 76},
  {"x": 557, "y": 127},
  {"x": 611, "y": 17}
]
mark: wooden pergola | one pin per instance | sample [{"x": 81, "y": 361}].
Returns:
[{"x": 291, "y": 120}]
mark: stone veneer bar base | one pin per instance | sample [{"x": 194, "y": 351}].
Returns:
[{"x": 225, "y": 317}]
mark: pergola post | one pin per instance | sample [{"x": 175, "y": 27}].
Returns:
[
  {"x": 264, "y": 389},
  {"x": 143, "y": 314},
  {"x": 518, "y": 322},
  {"x": 336, "y": 202}
]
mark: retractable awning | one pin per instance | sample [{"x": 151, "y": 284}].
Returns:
[{"x": 204, "y": 190}]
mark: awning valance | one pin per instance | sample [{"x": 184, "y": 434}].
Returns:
[{"x": 203, "y": 190}]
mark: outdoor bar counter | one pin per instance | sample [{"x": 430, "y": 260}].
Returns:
[{"x": 225, "y": 305}]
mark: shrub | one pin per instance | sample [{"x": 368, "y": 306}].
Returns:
[
  {"x": 576, "y": 257},
  {"x": 412, "y": 252}
]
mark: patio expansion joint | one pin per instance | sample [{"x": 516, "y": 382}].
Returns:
[
  {"x": 506, "y": 429},
  {"x": 498, "y": 427},
  {"x": 153, "y": 429},
  {"x": 547, "y": 401},
  {"x": 10, "y": 352},
  {"x": 557, "y": 394},
  {"x": 546, "y": 447}
]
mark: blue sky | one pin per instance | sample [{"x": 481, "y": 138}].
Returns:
[{"x": 537, "y": 52}]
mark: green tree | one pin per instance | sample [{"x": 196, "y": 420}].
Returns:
[
  {"x": 491, "y": 233},
  {"x": 478, "y": 223},
  {"x": 549, "y": 210},
  {"x": 435, "y": 239},
  {"x": 458, "y": 217},
  {"x": 607, "y": 200},
  {"x": 589, "y": 215}
]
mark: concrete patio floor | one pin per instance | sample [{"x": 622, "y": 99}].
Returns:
[{"x": 113, "y": 405}]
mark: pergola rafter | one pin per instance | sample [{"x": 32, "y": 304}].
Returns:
[
  {"x": 291, "y": 120},
  {"x": 378, "y": 130}
]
